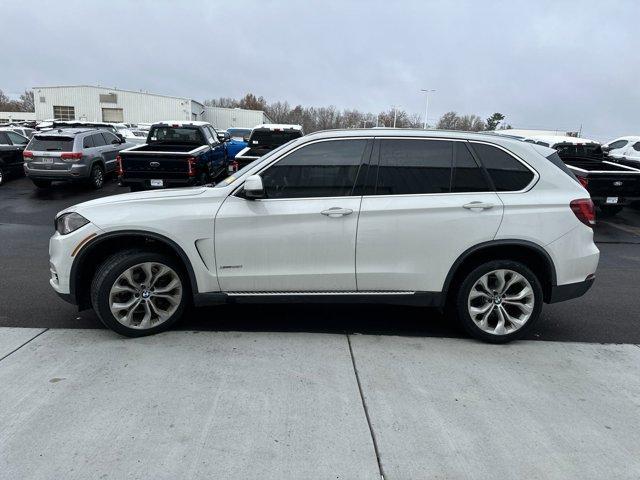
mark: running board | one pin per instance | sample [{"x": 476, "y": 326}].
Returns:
[{"x": 428, "y": 299}]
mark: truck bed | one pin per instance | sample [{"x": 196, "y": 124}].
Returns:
[
  {"x": 607, "y": 179},
  {"x": 592, "y": 166},
  {"x": 153, "y": 148}
]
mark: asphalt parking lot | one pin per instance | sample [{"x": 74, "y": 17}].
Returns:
[{"x": 608, "y": 313}]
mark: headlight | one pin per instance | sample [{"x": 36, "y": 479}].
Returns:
[{"x": 70, "y": 222}]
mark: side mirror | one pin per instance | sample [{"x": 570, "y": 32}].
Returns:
[
  {"x": 224, "y": 136},
  {"x": 606, "y": 149},
  {"x": 253, "y": 187},
  {"x": 120, "y": 137}
]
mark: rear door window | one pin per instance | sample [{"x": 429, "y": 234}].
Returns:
[
  {"x": 467, "y": 174},
  {"x": 51, "y": 144},
  {"x": 98, "y": 140},
  {"x": 17, "y": 139},
  {"x": 508, "y": 173},
  {"x": 413, "y": 166},
  {"x": 4, "y": 139}
]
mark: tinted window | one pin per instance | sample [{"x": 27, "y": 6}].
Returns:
[
  {"x": 98, "y": 140},
  {"x": 467, "y": 175},
  {"x": 414, "y": 166},
  {"x": 507, "y": 173},
  {"x": 209, "y": 134},
  {"x": 87, "y": 142},
  {"x": 272, "y": 138},
  {"x": 110, "y": 138},
  {"x": 17, "y": 139},
  {"x": 636, "y": 146},
  {"x": 323, "y": 169},
  {"x": 51, "y": 144},
  {"x": 4, "y": 140},
  {"x": 176, "y": 135},
  {"x": 617, "y": 144}
]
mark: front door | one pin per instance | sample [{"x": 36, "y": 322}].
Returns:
[
  {"x": 430, "y": 201},
  {"x": 301, "y": 237}
]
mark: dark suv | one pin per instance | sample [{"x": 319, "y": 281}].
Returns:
[
  {"x": 11, "y": 146},
  {"x": 77, "y": 154}
]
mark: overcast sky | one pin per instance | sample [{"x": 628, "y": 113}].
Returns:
[{"x": 544, "y": 64}]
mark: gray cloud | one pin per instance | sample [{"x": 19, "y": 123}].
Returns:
[{"x": 546, "y": 64}]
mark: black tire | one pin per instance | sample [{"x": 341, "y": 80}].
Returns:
[
  {"x": 2, "y": 176},
  {"x": 461, "y": 304},
  {"x": 204, "y": 178},
  {"x": 108, "y": 273},
  {"x": 96, "y": 177},
  {"x": 41, "y": 183},
  {"x": 608, "y": 211}
]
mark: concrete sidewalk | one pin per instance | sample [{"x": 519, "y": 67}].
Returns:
[{"x": 89, "y": 404}]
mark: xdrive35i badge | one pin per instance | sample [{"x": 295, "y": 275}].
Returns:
[{"x": 154, "y": 164}]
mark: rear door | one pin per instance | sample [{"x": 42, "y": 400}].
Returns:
[
  {"x": 110, "y": 150},
  {"x": 302, "y": 236},
  {"x": 426, "y": 203}
]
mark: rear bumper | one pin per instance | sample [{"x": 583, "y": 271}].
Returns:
[
  {"x": 622, "y": 201},
  {"x": 167, "y": 183},
  {"x": 74, "y": 172},
  {"x": 560, "y": 293}
]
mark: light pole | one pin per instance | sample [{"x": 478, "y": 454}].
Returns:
[
  {"x": 395, "y": 114},
  {"x": 426, "y": 108}
]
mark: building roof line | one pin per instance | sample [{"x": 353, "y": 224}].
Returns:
[{"x": 117, "y": 90}]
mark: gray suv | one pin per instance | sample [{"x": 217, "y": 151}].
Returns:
[{"x": 77, "y": 154}]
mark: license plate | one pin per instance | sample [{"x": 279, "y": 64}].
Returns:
[
  {"x": 157, "y": 183},
  {"x": 612, "y": 199},
  {"x": 46, "y": 160}
]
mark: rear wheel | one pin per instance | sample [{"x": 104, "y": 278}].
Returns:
[
  {"x": 41, "y": 183},
  {"x": 138, "y": 293},
  {"x": 499, "y": 301},
  {"x": 96, "y": 177},
  {"x": 610, "y": 210}
]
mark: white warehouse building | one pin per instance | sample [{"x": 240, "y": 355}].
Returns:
[{"x": 101, "y": 104}]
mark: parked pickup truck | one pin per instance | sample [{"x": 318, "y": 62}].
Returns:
[
  {"x": 267, "y": 137},
  {"x": 611, "y": 185},
  {"x": 176, "y": 154}
]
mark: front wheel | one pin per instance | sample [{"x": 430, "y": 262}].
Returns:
[
  {"x": 608, "y": 211},
  {"x": 137, "y": 293},
  {"x": 499, "y": 301}
]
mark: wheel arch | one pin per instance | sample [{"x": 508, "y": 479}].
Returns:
[
  {"x": 528, "y": 253},
  {"x": 97, "y": 250}
]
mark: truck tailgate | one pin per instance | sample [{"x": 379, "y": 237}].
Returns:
[{"x": 154, "y": 166}]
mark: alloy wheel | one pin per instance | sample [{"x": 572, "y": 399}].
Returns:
[
  {"x": 501, "y": 302},
  {"x": 145, "y": 295}
]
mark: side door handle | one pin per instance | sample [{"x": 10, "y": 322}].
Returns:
[
  {"x": 478, "y": 206},
  {"x": 335, "y": 212}
]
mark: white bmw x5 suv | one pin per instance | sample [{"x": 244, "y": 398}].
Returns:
[{"x": 483, "y": 226}]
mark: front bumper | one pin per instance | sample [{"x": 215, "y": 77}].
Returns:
[{"x": 62, "y": 252}]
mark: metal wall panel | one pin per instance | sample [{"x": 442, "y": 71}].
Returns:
[{"x": 136, "y": 106}]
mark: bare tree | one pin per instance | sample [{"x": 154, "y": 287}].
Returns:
[
  {"x": 26, "y": 99},
  {"x": 448, "y": 121}
]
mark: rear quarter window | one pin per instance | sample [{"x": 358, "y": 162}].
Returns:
[
  {"x": 557, "y": 161},
  {"x": 507, "y": 173}
]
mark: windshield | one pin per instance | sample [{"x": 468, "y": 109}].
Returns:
[
  {"x": 232, "y": 178},
  {"x": 239, "y": 133},
  {"x": 589, "y": 150},
  {"x": 176, "y": 135}
]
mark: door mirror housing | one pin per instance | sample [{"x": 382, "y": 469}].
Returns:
[
  {"x": 253, "y": 187},
  {"x": 606, "y": 149},
  {"x": 223, "y": 136}
]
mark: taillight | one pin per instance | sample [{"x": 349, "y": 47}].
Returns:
[
  {"x": 71, "y": 155},
  {"x": 192, "y": 166},
  {"x": 27, "y": 154},
  {"x": 233, "y": 167},
  {"x": 119, "y": 170},
  {"x": 584, "y": 210},
  {"x": 583, "y": 181}
]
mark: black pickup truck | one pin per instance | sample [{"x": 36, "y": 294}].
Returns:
[
  {"x": 264, "y": 138},
  {"x": 611, "y": 185},
  {"x": 177, "y": 154}
]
